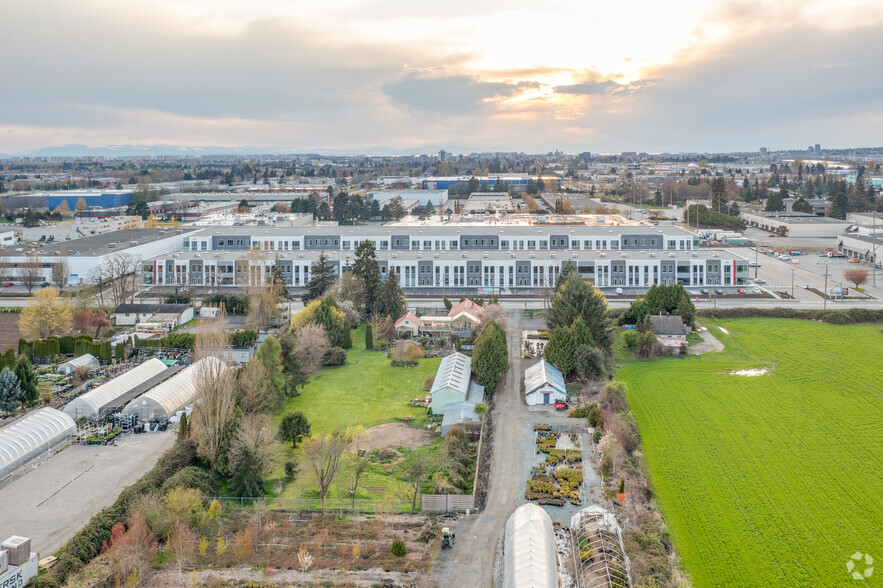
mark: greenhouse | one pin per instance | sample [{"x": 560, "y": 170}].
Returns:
[
  {"x": 36, "y": 433},
  {"x": 90, "y": 404},
  {"x": 600, "y": 555},
  {"x": 173, "y": 394},
  {"x": 530, "y": 557},
  {"x": 85, "y": 361}
]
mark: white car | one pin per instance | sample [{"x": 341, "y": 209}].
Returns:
[{"x": 756, "y": 290}]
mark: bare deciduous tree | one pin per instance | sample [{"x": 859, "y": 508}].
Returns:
[
  {"x": 494, "y": 312},
  {"x": 216, "y": 400},
  {"x": 213, "y": 340},
  {"x": 120, "y": 274},
  {"x": 255, "y": 388},
  {"x": 60, "y": 273},
  {"x": 322, "y": 453},
  {"x": 30, "y": 271},
  {"x": 310, "y": 344},
  {"x": 182, "y": 544}
]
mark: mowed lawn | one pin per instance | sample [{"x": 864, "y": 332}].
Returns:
[
  {"x": 367, "y": 391},
  {"x": 773, "y": 480}
]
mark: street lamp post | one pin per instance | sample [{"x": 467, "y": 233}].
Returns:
[
  {"x": 792, "y": 282},
  {"x": 825, "y": 291}
]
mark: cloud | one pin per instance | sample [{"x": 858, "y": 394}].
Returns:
[{"x": 457, "y": 95}]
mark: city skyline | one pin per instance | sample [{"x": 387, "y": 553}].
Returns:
[{"x": 348, "y": 76}]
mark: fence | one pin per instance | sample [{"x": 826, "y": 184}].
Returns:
[
  {"x": 332, "y": 505},
  {"x": 446, "y": 502}
]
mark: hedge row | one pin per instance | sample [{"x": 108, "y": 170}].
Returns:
[
  {"x": 86, "y": 545},
  {"x": 835, "y": 317},
  {"x": 64, "y": 344},
  {"x": 172, "y": 340}
]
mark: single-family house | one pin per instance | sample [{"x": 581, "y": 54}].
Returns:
[
  {"x": 87, "y": 360},
  {"x": 408, "y": 324},
  {"x": 170, "y": 316},
  {"x": 451, "y": 382},
  {"x": 670, "y": 330},
  {"x": 544, "y": 384}
]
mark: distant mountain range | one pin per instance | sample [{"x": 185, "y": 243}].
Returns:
[{"x": 75, "y": 150}]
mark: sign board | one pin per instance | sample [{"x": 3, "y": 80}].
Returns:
[
  {"x": 19, "y": 576},
  {"x": 628, "y": 327}
]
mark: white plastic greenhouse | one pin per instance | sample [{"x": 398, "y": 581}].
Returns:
[
  {"x": 90, "y": 404},
  {"x": 38, "y": 432},
  {"x": 173, "y": 394},
  {"x": 530, "y": 558}
]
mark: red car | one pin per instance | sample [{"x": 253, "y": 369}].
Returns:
[
  {"x": 740, "y": 290},
  {"x": 561, "y": 406},
  {"x": 8, "y": 284}
]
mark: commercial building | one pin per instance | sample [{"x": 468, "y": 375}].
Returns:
[
  {"x": 462, "y": 257},
  {"x": 862, "y": 247},
  {"x": 92, "y": 198},
  {"x": 170, "y": 316},
  {"x": 515, "y": 182},
  {"x": 796, "y": 224},
  {"x": 489, "y": 202},
  {"x": 422, "y": 197}
]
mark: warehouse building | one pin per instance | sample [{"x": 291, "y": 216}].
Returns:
[
  {"x": 92, "y": 198},
  {"x": 422, "y": 197},
  {"x": 39, "y": 432},
  {"x": 865, "y": 248},
  {"x": 174, "y": 394},
  {"x": 796, "y": 224},
  {"x": 91, "y": 403}
]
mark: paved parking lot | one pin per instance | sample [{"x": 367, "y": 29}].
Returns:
[{"x": 55, "y": 499}]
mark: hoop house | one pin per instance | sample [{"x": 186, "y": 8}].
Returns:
[
  {"x": 90, "y": 404},
  {"x": 172, "y": 395},
  {"x": 531, "y": 560},
  {"x": 598, "y": 550},
  {"x": 39, "y": 431}
]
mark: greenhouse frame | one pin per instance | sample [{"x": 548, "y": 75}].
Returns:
[
  {"x": 530, "y": 558},
  {"x": 174, "y": 394},
  {"x": 90, "y": 404},
  {"x": 38, "y": 432},
  {"x": 598, "y": 550}
]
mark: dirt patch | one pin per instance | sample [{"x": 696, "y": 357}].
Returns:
[
  {"x": 9, "y": 334},
  {"x": 395, "y": 435}
]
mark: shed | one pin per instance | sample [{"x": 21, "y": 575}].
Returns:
[
  {"x": 87, "y": 360},
  {"x": 451, "y": 382},
  {"x": 530, "y": 559},
  {"x": 544, "y": 384},
  {"x": 90, "y": 404},
  {"x": 174, "y": 394},
  {"x": 31, "y": 435}
]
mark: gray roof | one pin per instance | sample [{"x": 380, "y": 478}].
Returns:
[
  {"x": 454, "y": 372},
  {"x": 154, "y": 308},
  {"x": 459, "y": 412},
  {"x": 668, "y": 325},
  {"x": 543, "y": 373},
  {"x": 97, "y": 244}
]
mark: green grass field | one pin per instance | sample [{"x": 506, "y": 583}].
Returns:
[
  {"x": 773, "y": 480},
  {"x": 366, "y": 391}
]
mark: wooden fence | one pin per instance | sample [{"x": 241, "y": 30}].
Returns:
[{"x": 446, "y": 502}]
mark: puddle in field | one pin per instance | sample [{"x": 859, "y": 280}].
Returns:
[{"x": 750, "y": 373}]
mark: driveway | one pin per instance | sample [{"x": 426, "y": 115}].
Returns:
[{"x": 472, "y": 561}]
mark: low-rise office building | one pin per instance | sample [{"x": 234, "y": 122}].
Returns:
[{"x": 796, "y": 224}]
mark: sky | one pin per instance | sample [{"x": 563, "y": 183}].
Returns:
[{"x": 383, "y": 75}]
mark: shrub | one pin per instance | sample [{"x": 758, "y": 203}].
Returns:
[
  {"x": 244, "y": 338},
  {"x": 398, "y": 548},
  {"x": 290, "y": 469},
  {"x": 593, "y": 414},
  {"x": 192, "y": 477},
  {"x": 334, "y": 356},
  {"x": 630, "y": 338}
]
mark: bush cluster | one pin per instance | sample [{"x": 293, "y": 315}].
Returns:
[{"x": 849, "y": 316}]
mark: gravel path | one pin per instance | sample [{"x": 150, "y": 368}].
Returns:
[{"x": 709, "y": 343}]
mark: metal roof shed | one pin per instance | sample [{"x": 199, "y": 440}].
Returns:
[
  {"x": 31, "y": 435},
  {"x": 530, "y": 559},
  {"x": 173, "y": 394},
  {"x": 451, "y": 382},
  {"x": 90, "y": 404},
  {"x": 544, "y": 384},
  {"x": 86, "y": 360}
]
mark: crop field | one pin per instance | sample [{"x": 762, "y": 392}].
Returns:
[
  {"x": 772, "y": 479},
  {"x": 9, "y": 334}
]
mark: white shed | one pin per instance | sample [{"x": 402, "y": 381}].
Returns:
[
  {"x": 530, "y": 559},
  {"x": 90, "y": 404},
  {"x": 87, "y": 360},
  {"x": 31, "y": 435},
  {"x": 544, "y": 384},
  {"x": 173, "y": 394}
]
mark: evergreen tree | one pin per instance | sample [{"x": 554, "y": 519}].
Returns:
[
  {"x": 719, "y": 195},
  {"x": 369, "y": 336},
  {"x": 490, "y": 357},
  {"x": 589, "y": 363},
  {"x": 183, "y": 427},
  {"x": 323, "y": 275},
  {"x": 801, "y": 205},
  {"x": 839, "y": 201},
  {"x": 365, "y": 266},
  {"x": 294, "y": 427},
  {"x": 577, "y": 298},
  {"x": 390, "y": 298},
  {"x": 11, "y": 396},
  {"x": 247, "y": 473},
  {"x": 561, "y": 349},
  {"x": 292, "y": 365},
  {"x": 270, "y": 354},
  {"x": 581, "y": 333},
  {"x": 687, "y": 311},
  {"x": 774, "y": 203},
  {"x": 27, "y": 378},
  {"x": 567, "y": 269}
]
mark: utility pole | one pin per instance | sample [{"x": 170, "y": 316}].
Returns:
[
  {"x": 825, "y": 292},
  {"x": 792, "y": 281},
  {"x": 756, "y": 249},
  {"x": 874, "y": 252}
]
